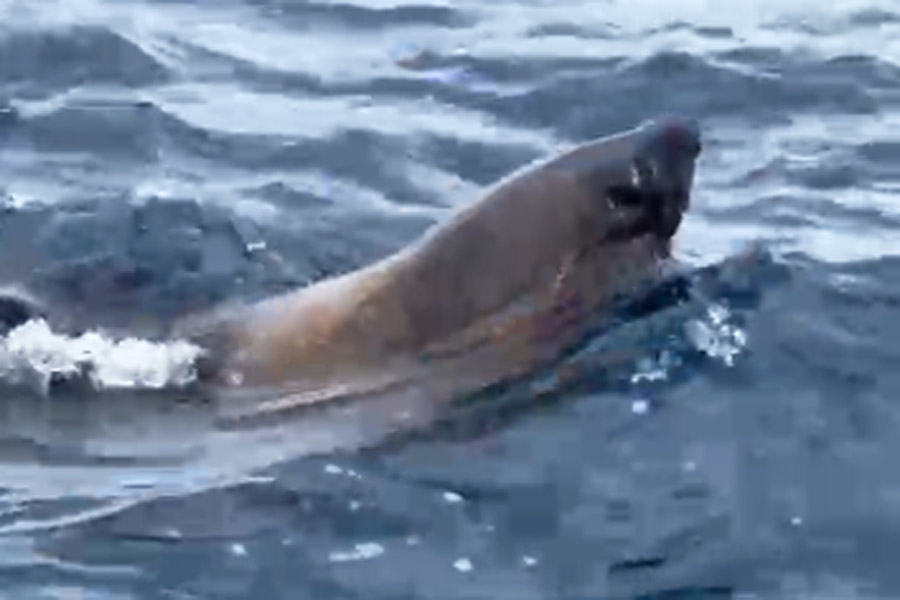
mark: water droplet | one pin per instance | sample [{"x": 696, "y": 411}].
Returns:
[
  {"x": 640, "y": 407},
  {"x": 653, "y": 368},
  {"x": 362, "y": 551},
  {"x": 238, "y": 549},
  {"x": 529, "y": 561},
  {"x": 452, "y": 498},
  {"x": 463, "y": 565},
  {"x": 716, "y": 337},
  {"x": 333, "y": 469}
]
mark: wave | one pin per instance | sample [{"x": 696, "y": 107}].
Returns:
[
  {"x": 35, "y": 63},
  {"x": 92, "y": 437},
  {"x": 315, "y": 15}
]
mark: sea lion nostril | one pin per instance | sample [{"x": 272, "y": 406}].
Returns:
[
  {"x": 691, "y": 146},
  {"x": 644, "y": 170},
  {"x": 694, "y": 147},
  {"x": 682, "y": 135}
]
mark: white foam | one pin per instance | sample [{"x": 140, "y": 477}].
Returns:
[
  {"x": 463, "y": 565},
  {"x": 110, "y": 363},
  {"x": 640, "y": 407},
  {"x": 452, "y": 498},
  {"x": 363, "y": 551},
  {"x": 529, "y": 561}
]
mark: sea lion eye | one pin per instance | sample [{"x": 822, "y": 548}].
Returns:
[{"x": 625, "y": 195}]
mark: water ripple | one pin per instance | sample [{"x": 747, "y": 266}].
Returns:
[
  {"x": 159, "y": 156},
  {"x": 345, "y": 15},
  {"x": 39, "y": 63}
]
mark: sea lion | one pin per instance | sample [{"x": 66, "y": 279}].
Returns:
[{"x": 504, "y": 284}]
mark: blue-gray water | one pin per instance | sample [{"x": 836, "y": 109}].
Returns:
[{"x": 164, "y": 155}]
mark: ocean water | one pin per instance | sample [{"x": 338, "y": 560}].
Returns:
[{"x": 163, "y": 156}]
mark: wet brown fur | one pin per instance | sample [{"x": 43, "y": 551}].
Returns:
[{"x": 507, "y": 280}]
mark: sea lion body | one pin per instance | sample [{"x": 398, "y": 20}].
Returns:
[
  {"x": 502, "y": 286},
  {"x": 506, "y": 279}
]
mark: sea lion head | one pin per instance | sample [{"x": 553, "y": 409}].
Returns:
[
  {"x": 639, "y": 182},
  {"x": 662, "y": 174}
]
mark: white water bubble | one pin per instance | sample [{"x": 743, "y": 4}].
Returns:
[
  {"x": 452, "y": 498},
  {"x": 110, "y": 363},
  {"x": 333, "y": 469},
  {"x": 463, "y": 565},
  {"x": 715, "y": 337},
  {"x": 654, "y": 368},
  {"x": 362, "y": 551}
]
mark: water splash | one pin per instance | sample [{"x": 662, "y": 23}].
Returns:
[
  {"x": 656, "y": 367},
  {"x": 716, "y": 336},
  {"x": 34, "y": 350},
  {"x": 712, "y": 333},
  {"x": 362, "y": 551}
]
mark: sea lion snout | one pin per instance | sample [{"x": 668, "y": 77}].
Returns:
[
  {"x": 665, "y": 157},
  {"x": 646, "y": 175},
  {"x": 662, "y": 173}
]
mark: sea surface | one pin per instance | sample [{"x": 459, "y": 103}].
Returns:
[{"x": 163, "y": 156}]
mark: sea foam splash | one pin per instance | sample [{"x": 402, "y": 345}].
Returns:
[
  {"x": 34, "y": 348},
  {"x": 713, "y": 333},
  {"x": 716, "y": 337}
]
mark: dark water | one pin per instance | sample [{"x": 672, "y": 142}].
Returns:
[{"x": 162, "y": 156}]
